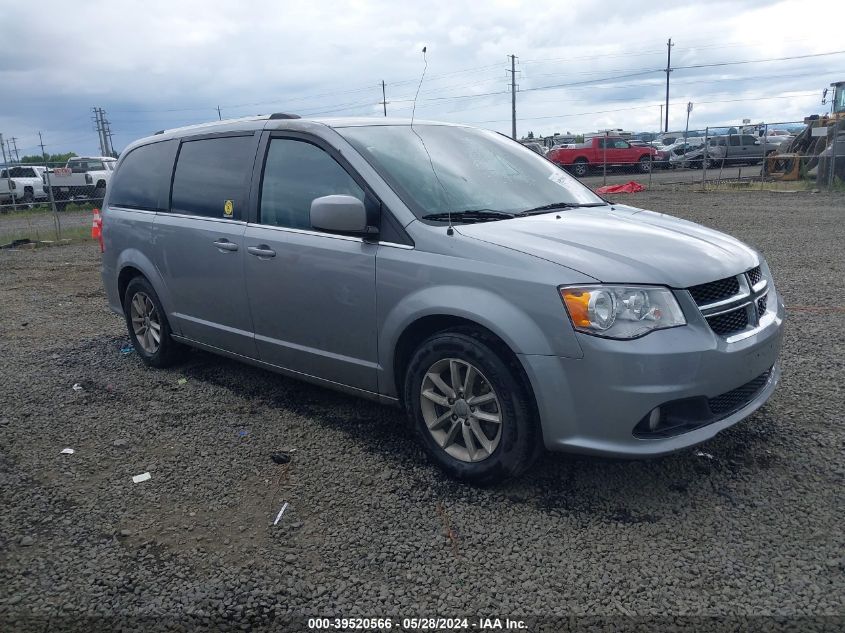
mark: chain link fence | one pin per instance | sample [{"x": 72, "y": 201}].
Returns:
[{"x": 43, "y": 202}]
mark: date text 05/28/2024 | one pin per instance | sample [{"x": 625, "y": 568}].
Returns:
[{"x": 417, "y": 624}]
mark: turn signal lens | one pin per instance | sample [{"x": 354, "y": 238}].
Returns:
[{"x": 577, "y": 302}]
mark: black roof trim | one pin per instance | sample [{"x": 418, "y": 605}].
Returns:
[
  {"x": 284, "y": 115},
  {"x": 159, "y": 132}
]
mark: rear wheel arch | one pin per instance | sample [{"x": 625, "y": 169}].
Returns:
[{"x": 127, "y": 274}]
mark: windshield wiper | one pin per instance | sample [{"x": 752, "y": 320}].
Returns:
[
  {"x": 470, "y": 215},
  {"x": 560, "y": 205}
]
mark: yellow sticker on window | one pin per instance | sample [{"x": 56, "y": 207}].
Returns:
[{"x": 228, "y": 208}]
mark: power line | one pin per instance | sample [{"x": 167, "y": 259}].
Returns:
[{"x": 758, "y": 61}]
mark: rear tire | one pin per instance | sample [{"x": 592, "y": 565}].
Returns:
[
  {"x": 148, "y": 326},
  {"x": 458, "y": 429}
]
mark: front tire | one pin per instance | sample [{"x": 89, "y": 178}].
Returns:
[
  {"x": 644, "y": 165},
  {"x": 148, "y": 326},
  {"x": 470, "y": 408}
]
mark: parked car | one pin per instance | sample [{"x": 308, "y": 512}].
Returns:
[
  {"x": 693, "y": 155},
  {"x": 83, "y": 177},
  {"x": 736, "y": 149},
  {"x": 23, "y": 183},
  {"x": 597, "y": 151},
  {"x": 536, "y": 147},
  {"x": 443, "y": 269}
]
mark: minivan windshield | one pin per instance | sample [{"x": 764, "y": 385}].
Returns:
[{"x": 441, "y": 169}]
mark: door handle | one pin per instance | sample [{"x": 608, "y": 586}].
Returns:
[
  {"x": 225, "y": 245},
  {"x": 261, "y": 251}
]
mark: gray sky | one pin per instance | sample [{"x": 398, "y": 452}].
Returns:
[{"x": 159, "y": 64}]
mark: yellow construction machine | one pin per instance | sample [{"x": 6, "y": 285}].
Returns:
[{"x": 809, "y": 149}]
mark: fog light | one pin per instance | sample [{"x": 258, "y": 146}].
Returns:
[{"x": 654, "y": 419}]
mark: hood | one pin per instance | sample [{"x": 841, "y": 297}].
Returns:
[{"x": 622, "y": 244}]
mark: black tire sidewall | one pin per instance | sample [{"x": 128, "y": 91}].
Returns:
[
  {"x": 165, "y": 355},
  {"x": 580, "y": 168},
  {"x": 517, "y": 445}
]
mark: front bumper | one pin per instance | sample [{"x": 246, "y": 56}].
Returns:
[{"x": 592, "y": 404}]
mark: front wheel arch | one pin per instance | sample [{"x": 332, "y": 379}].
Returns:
[{"x": 423, "y": 328}]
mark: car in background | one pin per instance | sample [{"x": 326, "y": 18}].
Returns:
[
  {"x": 536, "y": 147},
  {"x": 599, "y": 151},
  {"x": 83, "y": 177},
  {"x": 23, "y": 183}
]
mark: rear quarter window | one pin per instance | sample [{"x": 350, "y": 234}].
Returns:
[
  {"x": 212, "y": 175},
  {"x": 143, "y": 179}
]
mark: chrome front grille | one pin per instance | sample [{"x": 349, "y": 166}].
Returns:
[{"x": 733, "y": 304}]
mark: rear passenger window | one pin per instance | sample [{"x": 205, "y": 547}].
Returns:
[
  {"x": 212, "y": 175},
  {"x": 295, "y": 173},
  {"x": 143, "y": 180}
]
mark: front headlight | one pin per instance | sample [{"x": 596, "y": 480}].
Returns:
[{"x": 622, "y": 312}]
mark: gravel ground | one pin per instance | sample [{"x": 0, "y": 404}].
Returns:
[{"x": 751, "y": 527}]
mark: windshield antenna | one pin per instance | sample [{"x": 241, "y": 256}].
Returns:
[
  {"x": 414, "y": 109},
  {"x": 450, "y": 230}
]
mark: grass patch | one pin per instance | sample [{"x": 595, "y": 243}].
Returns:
[{"x": 38, "y": 234}]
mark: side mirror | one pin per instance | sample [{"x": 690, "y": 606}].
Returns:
[{"x": 340, "y": 214}]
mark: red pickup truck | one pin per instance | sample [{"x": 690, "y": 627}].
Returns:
[{"x": 595, "y": 151}]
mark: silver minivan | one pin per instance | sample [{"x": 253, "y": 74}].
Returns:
[{"x": 445, "y": 269}]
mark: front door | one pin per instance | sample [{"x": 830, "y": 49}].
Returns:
[
  {"x": 199, "y": 246},
  {"x": 311, "y": 294}
]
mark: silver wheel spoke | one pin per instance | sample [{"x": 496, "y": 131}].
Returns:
[
  {"x": 440, "y": 384},
  {"x": 455, "y": 375},
  {"x": 484, "y": 416},
  {"x": 435, "y": 397},
  {"x": 451, "y": 435},
  {"x": 468, "y": 441},
  {"x": 469, "y": 381},
  {"x": 480, "y": 436},
  {"x": 482, "y": 399},
  {"x": 155, "y": 335},
  {"x": 439, "y": 421}
]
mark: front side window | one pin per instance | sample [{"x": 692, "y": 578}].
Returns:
[
  {"x": 143, "y": 180},
  {"x": 211, "y": 177},
  {"x": 734, "y": 141},
  {"x": 620, "y": 144},
  {"x": 440, "y": 168},
  {"x": 295, "y": 173}
]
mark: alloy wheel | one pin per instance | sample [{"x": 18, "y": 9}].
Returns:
[
  {"x": 146, "y": 322},
  {"x": 461, "y": 410}
]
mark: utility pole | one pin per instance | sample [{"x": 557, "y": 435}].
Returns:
[
  {"x": 661, "y": 118},
  {"x": 383, "y": 97},
  {"x": 669, "y": 46},
  {"x": 107, "y": 134},
  {"x": 13, "y": 144},
  {"x": 513, "y": 95},
  {"x": 56, "y": 222},
  {"x": 41, "y": 142},
  {"x": 219, "y": 116},
  {"x": 98, "y": 122},
  {"x": 8, "y": 174}
]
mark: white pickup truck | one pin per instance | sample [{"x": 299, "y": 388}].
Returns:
[
  {"x": 23, "y": 183},
  {"x": 83, "y": 177}
]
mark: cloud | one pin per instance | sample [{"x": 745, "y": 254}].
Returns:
[{"x": 158, "y": 64}]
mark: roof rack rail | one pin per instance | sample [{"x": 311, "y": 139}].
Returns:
[
  {"x": 159, "y": 132},
  {"x": 284, "y": 115}
]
